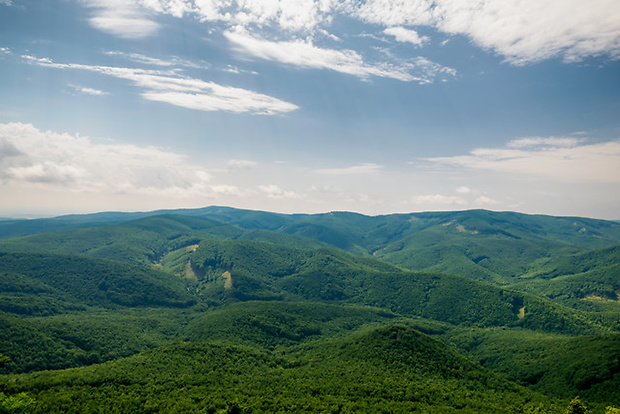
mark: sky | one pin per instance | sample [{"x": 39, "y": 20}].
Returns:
[{"x": 307, "y": 106}]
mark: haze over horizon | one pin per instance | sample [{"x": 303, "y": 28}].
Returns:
[{"x": 376, "y": 106}]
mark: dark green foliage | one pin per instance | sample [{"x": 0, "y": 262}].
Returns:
[
  {"x": 17, "y": 403},
  {"x": 589, "y": 280},
  {"x": 556, "y": 365},
  {"x": 72, "y": 340},
  {"x": 272, "y": 325},
  {"x": 269, "y": 272},
  {"x": 92, "y": 282},
  {"x": 576, "y": 407},
  {"x": 23, "y": 295},
  {"x": 350, "y": 375},
  {"x": 142, "y": 241}
]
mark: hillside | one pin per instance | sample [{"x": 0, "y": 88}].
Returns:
[
  {"x": 451, "y": 309},
  {"x": 496, "y": 247},
  {"x": 388, "y": 369},
  {"x": 588, "y": 280},
  {"x": 553, "y": 364}
]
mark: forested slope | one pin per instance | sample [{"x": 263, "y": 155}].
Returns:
[{"x": 234, "y": 310}]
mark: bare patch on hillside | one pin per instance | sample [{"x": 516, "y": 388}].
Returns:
[
  {"x": 600, "y": 298},
  {"x": 461, "y": 229},
  {"x": 228, "y": 284},
  {"x": 189, "y": 272}
]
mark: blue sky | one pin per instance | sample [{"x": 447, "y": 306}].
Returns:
[{"x": 375, "y": 106}]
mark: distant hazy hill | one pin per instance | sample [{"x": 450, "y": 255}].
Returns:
[
  {"x": 507, "y": 249},
  {"x": 478, "y": 244}
]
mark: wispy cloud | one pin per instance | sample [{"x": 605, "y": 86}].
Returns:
[
  {"x": 304, "y": 54},
  {"x": 151, "y": 61},
  {"x": 562, "y": 159},
  {"x": 171, "y": 87},
  {"x": 463, "y": 199},
  {"x": 236, "y": 70},
  {"x": 88, "y": 91},
  {"x": 566, "y": 142},
  {"x": 241, "y": 164},
  {"x": 140, "y": 58},
  {"x": 273, "y": 191},
  {"x": 436, "y": 200},
  {"x": 367, "y": 168}
]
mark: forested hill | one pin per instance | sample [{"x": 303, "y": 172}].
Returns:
[
  {"x": 489, "y": 246},
  {"x": 227, "y": 310}
]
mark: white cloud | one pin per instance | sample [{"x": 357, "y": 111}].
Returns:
[
  {"x": 361, "y": 169},
  {"x": 544, "y": 141},
  {"x": 226, "y": 190},
  {"x": 561, "y": 159},
  {"x": 291, "y": 18},
  {"x": 46, "y": 172},
  {"x": 89, "y": 91},
  {"x": 176, "y": 8},
  {"x": 122, "y": 18},
  {"x": 304, "y": 54},
  {"x": 80, "y": 164},
  {"x": 148, "y": 60},
  {"x": 438, "y": 200},
  {"x": 273, "y": 191},
  {"x": 486, "y": 201},
  {"x": 406, "y": 35},
  {"x": 6, "y": 2},
  {"x": 214, "y": 97},
  {"x": 241, "y": 164},
  {"x": 523, "y": 31},
  {"x": 237, "y": 71},
  {"x": 137, "y": 57},
  {"x": 171, "y": 87},
  {"x": 299, "y": 15}
]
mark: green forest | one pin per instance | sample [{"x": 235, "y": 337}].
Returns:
[{"x": 220, "y": 310}]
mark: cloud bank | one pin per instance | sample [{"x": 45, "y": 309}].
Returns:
[
  {"x": 522, "y": 31},
  {"x": 565, "y": 159},
  {"x": 29, "y": 156},
  {"x": 63, "y": 170}
]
